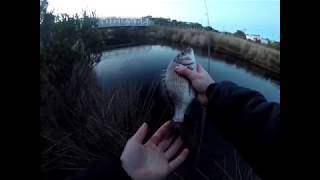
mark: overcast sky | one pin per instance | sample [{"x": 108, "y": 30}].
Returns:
[{"x": 253, "y": 16}]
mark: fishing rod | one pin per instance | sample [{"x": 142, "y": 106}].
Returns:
[
  {"x": 203, "y": 110},
  {"x": 208, "y": 21}
]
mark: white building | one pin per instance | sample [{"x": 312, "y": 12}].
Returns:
[
  {"x": 123, "y": 21},
  {"x": 253, "y": 37},
  {"x": 264, "y": 41}
]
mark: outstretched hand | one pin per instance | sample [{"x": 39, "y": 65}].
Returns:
[{"x": 156, "y": 158}]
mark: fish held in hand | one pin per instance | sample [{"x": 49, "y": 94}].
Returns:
[{"x": 178, "y": 89}]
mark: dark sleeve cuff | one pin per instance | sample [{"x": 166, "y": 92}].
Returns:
[
  {"x": 220, "y": 93},
  {"x": 210, "y": 90}
]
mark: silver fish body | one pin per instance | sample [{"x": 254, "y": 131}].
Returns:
[{"x": 178, "y": 88}]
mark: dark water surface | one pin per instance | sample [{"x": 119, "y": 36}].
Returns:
[{"x": 143, "y": 64}]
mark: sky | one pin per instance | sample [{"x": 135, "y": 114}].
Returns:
[{"x": 251, "y": 16}]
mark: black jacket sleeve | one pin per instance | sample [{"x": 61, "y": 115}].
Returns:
[
  {"x": 250, "y": 123},
  {"x": 105, "y": 169}
]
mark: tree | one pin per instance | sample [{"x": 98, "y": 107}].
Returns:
[
  {"x": 174, "y": 22},
  {"x": 197, "y": 25},
  {"x": 240, "y": 34},
  {"x": 208, "y": 28},
  {"x": 67, "y": 40},
  {"x": 43, "y": 9}
]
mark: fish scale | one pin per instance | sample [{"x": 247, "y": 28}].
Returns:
[{"x": 178, "y": 89}]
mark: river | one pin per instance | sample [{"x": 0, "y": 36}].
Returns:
[{"x": 144, "y": 64}]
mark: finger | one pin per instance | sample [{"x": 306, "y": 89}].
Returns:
[
  {"x": 173, "y": 148},
  {"x": 200, "y": 68},
  {"x": 160, "y": 134},
  {"x": 184, "y": 71},
  {"x": 141, "y": 133},
  {"x": 163, "y": 145},
  {"x": 178, "y": 160}
]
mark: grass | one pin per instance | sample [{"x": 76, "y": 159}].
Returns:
[
  {"x": 95, "y": 124},
  {"x": 79, "y": 123},
  {"x": 241, "y": 49}
]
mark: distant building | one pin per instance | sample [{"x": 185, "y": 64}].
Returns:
[
  {"x": 257, "y": 38},
  {"x": 264, "y": 41},
  {"x": 123, "y": 21},
  {"x": 253, "y": 37}
]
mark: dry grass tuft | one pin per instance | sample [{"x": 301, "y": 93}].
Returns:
[{"x": 241, "y": 49}]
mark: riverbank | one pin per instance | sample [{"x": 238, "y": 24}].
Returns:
[
  {"x": 208, "y": 42},
  {"x": 218, "y": 43}
]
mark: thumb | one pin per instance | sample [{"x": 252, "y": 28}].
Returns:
[
  {"x": 200, "y": 68},
  {"x": 184, "y": 71}
]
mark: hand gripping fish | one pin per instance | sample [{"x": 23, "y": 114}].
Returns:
[{"x": 179, "y": 90}]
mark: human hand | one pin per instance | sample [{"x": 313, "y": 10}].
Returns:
[
  {"x": 200, "y": 80},
  {"x": 155, "y": 159}
]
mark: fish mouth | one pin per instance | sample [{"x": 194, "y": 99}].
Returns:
[{"x": 185, "y": 59}]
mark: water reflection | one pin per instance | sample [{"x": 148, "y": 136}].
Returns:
[{"x": 144, "y": 64}]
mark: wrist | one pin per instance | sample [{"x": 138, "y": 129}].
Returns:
[{"x": 209, "y": 90}]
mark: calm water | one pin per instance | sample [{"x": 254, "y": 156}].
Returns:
[{"x": 144, "y": 64}]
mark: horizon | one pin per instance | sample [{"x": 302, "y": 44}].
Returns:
[{"x": 260, "y": 17}]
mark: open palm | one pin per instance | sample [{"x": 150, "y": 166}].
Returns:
[{"x": 154, "y": 159}]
